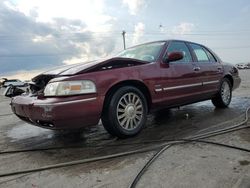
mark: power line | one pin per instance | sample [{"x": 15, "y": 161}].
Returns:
[
  {"x": 231, "y": 48},
  {"x": 57, "y": 35},
  {"x": 63, "y": 34},
  {"x": 75, "y": 54},
  {"x": 69, "y": 36},
  {"x": 39, "y": 55},
  {"x": 32, "y": 39},
  {"x": 193, "y": 34}
]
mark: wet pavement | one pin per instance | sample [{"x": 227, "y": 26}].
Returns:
[{"x": 189, "y": 165}]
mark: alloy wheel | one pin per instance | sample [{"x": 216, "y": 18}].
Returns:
[{"x": 129, "y": 111}]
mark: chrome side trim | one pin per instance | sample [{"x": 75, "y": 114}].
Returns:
[
  {"x": 67, "y": 102},
  {"x": 211, "y": 82},
  {"x": 158, "y": 90},
  {"x": 182, "y": 86}
]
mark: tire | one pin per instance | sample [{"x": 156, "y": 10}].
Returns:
[
  {"x": 125, "y": 112},
  {"x": 224, "y": 95}
]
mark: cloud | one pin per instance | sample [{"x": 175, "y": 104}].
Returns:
[
  {"x": 27, "y": 43},
  {"x": 183, "y": 28},
  {"x": 245, "y": 9},
  {"x": 91, "y": 11},
  {"x": 134, "y": 5},
  {"x": 138, "y": 32}
]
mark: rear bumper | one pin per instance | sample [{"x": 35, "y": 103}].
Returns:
[{"x": 58, "y": 113}]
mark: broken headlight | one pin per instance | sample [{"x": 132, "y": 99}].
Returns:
[{"x": 65, "y": 88}]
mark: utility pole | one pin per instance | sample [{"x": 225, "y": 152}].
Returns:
[{"x": 124, "y": 42}]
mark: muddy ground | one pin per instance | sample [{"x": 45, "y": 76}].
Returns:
[{"x": 186, "y": 165}]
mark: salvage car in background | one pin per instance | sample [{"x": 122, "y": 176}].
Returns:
[
  {"x": 122, "y": 90},
  {"x": 2, "y": 80},
  {"x": 14, "y": 82}
]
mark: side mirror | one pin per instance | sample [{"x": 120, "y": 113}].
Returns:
[{"x": 174, "y": 56}]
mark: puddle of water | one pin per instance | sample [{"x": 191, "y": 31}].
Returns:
[{"x": 25, "y": 131}]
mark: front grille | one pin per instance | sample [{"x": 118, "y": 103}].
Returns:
[{"x": 45, "y": 123}]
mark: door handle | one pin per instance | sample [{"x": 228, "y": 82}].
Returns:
[{"x": 196, "y": 68}]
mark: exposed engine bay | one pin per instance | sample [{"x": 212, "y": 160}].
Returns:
[{"x": 39, "y": 82}]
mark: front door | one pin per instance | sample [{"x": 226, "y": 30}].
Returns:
[{"x": 179, "y": 80}]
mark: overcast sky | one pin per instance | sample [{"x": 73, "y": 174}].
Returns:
[{"x": 38, "y": 34}]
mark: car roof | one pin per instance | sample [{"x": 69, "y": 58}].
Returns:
[
  {"x": 176, "y": 40},
  {"x": 166, "y": 41}
]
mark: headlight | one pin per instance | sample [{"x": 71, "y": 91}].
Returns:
[{"x": 69, "y": 88}]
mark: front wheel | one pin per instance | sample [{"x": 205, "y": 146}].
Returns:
[
  {"x": 224, "y": 95},
  {"x": 125, "y": 112}
]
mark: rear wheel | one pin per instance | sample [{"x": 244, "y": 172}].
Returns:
[
  {"x": 224, "y": 96},
  {"x": 125, "y": 112}
]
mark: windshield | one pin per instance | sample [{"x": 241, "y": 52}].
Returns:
[{"x": 146, "y": 52}]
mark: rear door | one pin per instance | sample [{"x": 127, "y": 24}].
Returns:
[{"x": 207, "y": 67}]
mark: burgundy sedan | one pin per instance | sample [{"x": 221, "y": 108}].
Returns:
[{"x": 122, "y": 90}]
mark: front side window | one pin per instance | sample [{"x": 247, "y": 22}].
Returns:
[
  {"x": 180, "y": 47},
  {"x": 146, "y": 52},
  {"x": 200, "y": 53}
]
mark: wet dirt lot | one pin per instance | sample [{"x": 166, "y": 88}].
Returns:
[{"x": 186, "y": 165}]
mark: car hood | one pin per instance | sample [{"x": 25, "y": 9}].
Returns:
[
  {"x": 73, "y": 69},
  {"x": 103, "y": 64},
  {"x": 87, "y": 66}
]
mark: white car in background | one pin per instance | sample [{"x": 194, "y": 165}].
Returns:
[
  {"x": 242, "y": 66},
  {"x": 14, "y": 82}
]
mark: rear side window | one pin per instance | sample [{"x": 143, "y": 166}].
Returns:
[
  {"x": 200, "y": 53},
  {"x": 210, "y": 56},
  {"x": 180, "y": 47}
]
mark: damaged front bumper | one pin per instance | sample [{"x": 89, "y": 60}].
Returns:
[{"x": 58, "y": 113}]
